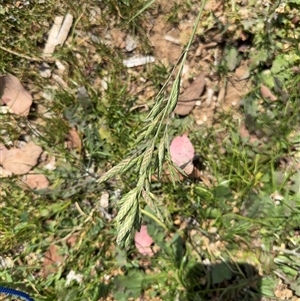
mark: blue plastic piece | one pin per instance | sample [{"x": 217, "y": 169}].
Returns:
[{"x": 15, "y": 293}]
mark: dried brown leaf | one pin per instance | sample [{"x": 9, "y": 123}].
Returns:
[
  {"x": 4, "y": 173},
  {"x": 52, "y": 261},
  {"x": 36, "y": 181},
  {"x": 3, "y": 151},
  {"x": 71, "y": 241},
  {"x": 21, "y": 160},
  {"x": 74, "y": 140},
  {"x": 245, "y": 134},
  {"x": 189, "y": 168},
  {"x": 196, "y": 173},
  {"x": 266, "y": 93},
  {"x": 14, "y": 95},
  {"x": 187, "y": 100}
]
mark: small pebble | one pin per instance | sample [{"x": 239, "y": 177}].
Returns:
[
  {"x": 202, "y": 120},
  {"x": 104, "y": 83},
  {"x": 61, "y": 68},
  {"x": 213, "y": 230},
  {"x": 104, "y": 200},
  {"x": 130, "y": 43},
  {"x": 177, "y": 222},
  {"x": 172, "y": 39},
  {"x": 45, "y": 70},
  {"x": 210, "y": 94}
]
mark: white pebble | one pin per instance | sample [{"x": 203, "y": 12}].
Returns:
[
  {"x": 60, "y": 67},
  {"x": 130, "y": 43},
  {"x": 138, "y": 61}
]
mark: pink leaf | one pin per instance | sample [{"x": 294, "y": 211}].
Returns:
[
  {"x": 143, "y": 241},
  {"x": 182, "y": 150}
]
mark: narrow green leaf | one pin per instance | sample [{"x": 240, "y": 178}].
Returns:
[
  {"x": 130, "y": 222},
  {"x": 150, "y": 201},
  {"x": 173, "y": 173},
  {"x": 173, "y": 99},
  {"x": 148, "y": 4},
  {"x": 161, "y": 156},
  {"x": 132, "y": 162},
  {"x": 156, "y": 110},
  {"x": 147, "y": 159},
  {"x": 116, "y": 169},
  {"x": 146, "y": 132},
  {"x": 126, "y": 203}
]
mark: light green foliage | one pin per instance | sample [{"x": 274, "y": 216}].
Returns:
[{"x": 231, "y": 57}]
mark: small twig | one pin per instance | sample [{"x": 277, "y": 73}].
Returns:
[
  {"x": 88, "y": 216},
  {"x": 29, "y": 58},
  {"x": 80, "y": 210},
  {"x": 75, "y": 229},
  {"x": 144, "y": 106},
  {"x": 282, "y": 276},
  {"x": 291, "y": 252},
  {"x": 78, "y": 228}
]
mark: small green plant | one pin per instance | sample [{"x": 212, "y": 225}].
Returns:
[{"x": 149, "y": 157}]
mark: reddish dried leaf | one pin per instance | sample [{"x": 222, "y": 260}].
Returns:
[
  {"x": 245, "y": 134},
  {"x": 14, "y": 95},
  {"x": 187, "y": 100},
  {"x": 266, "y": 93},
  {"x": 74, "y": 140},
  {"x": 71, "y": 241},
  {"x": 143, "y": 241},
  {"x": 52, "y": 261}
]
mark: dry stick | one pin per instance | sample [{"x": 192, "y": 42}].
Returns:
[{"x": 32, "y": 59}]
